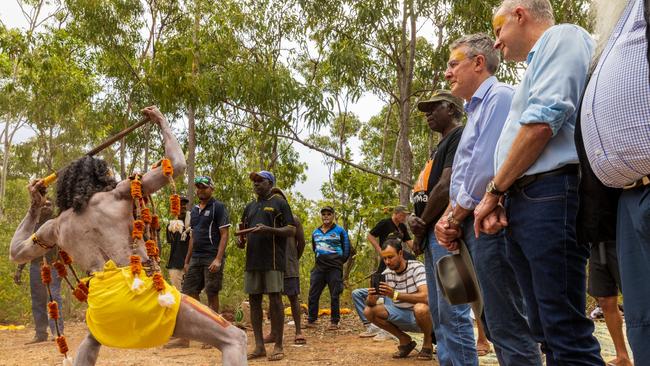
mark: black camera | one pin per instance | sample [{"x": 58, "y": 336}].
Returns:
[{"x": 375, "y": 279}]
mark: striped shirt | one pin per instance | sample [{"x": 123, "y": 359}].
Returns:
[
  {"x": 406, "y": 282},
  {"x": 615, "y": 110}
]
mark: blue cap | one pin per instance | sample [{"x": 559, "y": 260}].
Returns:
[{"x": 264, "y": 175}]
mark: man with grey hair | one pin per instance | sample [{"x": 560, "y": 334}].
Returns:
[
  {"x": 614, "y": 122},
  {"x": 537, "y": 165},
  {"x": 470, "y": 73}
]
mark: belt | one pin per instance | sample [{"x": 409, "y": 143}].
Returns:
[
  {"x": 528, "y": 179},
  {"x": 644, "y": 181}
]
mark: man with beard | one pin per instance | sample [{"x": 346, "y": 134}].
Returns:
[
  {"x": 94, "y": 228},
  {"x": 37, "y": 289},
  {"x": 271, "y": 221},
  {"x": 536, "y": 164},
  {"x": 615, "y": 125}
]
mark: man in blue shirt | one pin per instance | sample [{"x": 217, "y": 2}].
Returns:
[
  {"x": 332, "y": 247},
  {"x": 470, "y": 72},
  {"x": 536, "y": 163},
  {"x": 615, "y": 126}
]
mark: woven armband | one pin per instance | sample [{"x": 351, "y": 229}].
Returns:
[{"x": 40, "y": 242}]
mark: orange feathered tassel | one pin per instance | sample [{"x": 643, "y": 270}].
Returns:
[
  {"x": 175, "y": 205},
  {"x": 155, "y": 223},
  {"x": 146, "y": 215},
  {"x": 60, "y": 269},
  {"x": 62, "y": 344},
  {"x": 158, "y": 282},
  {"x": 81, "y": 292},
  {"x": 53, "y": 310},
  {"x": 167, "y": 168},
  {"x": 65, "y": 257},
  {"x": 46, "y": 274},
  {"x": 138, "y": 229},
  {"x": 136, "y": 188},
  {"x": 152, "y": 248},
  {"x": 136, "y": 264}
]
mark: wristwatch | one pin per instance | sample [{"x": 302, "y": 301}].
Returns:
[
  {"x": 492, "y": 189},
  {"x": 451, "y": 220}
]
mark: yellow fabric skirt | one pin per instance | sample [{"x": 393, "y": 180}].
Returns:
[{"x": 122, "y": 318}]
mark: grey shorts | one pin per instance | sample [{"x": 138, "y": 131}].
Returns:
[
  {"x": 263, "y": 282},
  {"x": 198, "y": 277}
]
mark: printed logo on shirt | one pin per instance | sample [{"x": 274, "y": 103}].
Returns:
[
  {"x": 269, "y": 209},
  {"x": 206, "y": 213}
]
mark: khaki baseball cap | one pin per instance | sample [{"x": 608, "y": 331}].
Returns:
[{"x": 437, "y": 97}]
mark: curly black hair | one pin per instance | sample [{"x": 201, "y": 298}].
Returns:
[{"x": 80, "y": 180}]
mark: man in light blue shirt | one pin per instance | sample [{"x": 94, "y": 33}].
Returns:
[
  {"x": 615, "y": 121},
  {"x": 470, "y": 71},
  {"x": 536, "y": 163}
]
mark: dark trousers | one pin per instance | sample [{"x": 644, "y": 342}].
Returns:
[
  {"x": 550, "y": 267},
  {"x": 333, "y": 278}
]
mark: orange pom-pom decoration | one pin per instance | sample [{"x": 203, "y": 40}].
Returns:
[
  {"x": 155, "y": 222},
  {"x": 138, "y": 229},
  {"x": 175, "y": 205},
  {"x": 46, "y": 274},
  {"x": 167, "y": 168},
  {"x": 65, "y": 257},
  {"x": 146, "y": 215},
  {"x": 136, "y": 264},
  {"x": 158, "y": 282},
  {"x": 53, "y": 310},
  {"x": 136, "y": 189},
  {"x": 60, "y": 269},
  {"x": 152, "y": 248},
  {"x": 62, "y": 344},
  {"x": 81, "y": 292}
]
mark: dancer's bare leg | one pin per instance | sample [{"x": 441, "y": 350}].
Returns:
[
  {"x": 88, "y": 352},
  {"x": 198, "y": 322}
]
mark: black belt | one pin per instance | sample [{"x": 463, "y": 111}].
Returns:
[
  {"x": 528, "y": 179},
  {"x": 644, "y": 181}
]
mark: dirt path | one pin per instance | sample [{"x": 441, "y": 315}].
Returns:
[{"x": 342, "y": 347}]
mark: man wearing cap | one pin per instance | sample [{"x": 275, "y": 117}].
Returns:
[
  {"x": 470, "y": 72},
  {"x": 206, "y": 255},
  {"x": 391, "y": 225},
  {"x": 178, "y": 237},
  {"x": 331, "y": 246},
  {"x": 452, "y": 325},
  {"x": 537, "y": 165},
  {"x": 271, "y": 221}
]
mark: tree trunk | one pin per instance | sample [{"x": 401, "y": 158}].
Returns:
[{"x": 191, "y": 155}]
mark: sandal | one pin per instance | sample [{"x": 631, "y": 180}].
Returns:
[
  {"x": 333, "y": 326},
  {"x": 425, "y": 354},
  {"x": 276, "y": 356},
  {"x": 254, "y": 355},
  {"x": 299, "y": 339},
  {"x": 405, "y": 350},
  {"x": 483, "y": 351}
]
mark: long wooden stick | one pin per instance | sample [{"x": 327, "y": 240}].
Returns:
[{"x": 94, "y": 151}]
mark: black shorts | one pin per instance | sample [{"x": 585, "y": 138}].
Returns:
[
  {"x": 198, "y": 277},
  {"x": 291, "y": 286},
  {"x": 604, "y": 278}
]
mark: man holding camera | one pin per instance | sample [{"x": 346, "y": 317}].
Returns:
[{"x": 405, "y": 309}]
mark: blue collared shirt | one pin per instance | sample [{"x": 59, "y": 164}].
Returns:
[
  {"x": 615, "y": 115},
  {"x": 550, "y": 93},
  {"x": 487, "y": 111}
]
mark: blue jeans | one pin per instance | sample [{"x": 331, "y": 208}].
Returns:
[
  {"x": 550, "y": 268},
  {"x": 40, "y": 299},
  {"x": 333, "y": 279},
  {"x": 633, "y": 250},
  {"x": 503, "y": 316},
  {"x": 452, "y": 325},
  {"x": 359, "y": 297}
]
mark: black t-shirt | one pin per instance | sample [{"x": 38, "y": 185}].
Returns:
[
  {"x": 178, "y": 250},
  {"x": 442, "y": 157},
  {"x": 266, "y": 252},
  {"x": 386, "y": 227},
  {"x": 205, "y": 225}
]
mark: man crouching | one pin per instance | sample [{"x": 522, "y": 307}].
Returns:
[
  {"x": 405, "y": 307},
  {"x": 95, "y": 227}
]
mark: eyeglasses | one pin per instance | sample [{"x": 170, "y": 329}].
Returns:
[
  {"x": 452, "y": 64},
  {"x": 202, "y": 180}
]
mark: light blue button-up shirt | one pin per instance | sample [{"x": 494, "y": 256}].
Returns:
[
  {"x": 487, "y": 111},
  {"x": 615, "y": 116},
  {"x": 550, "y": 93}
]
